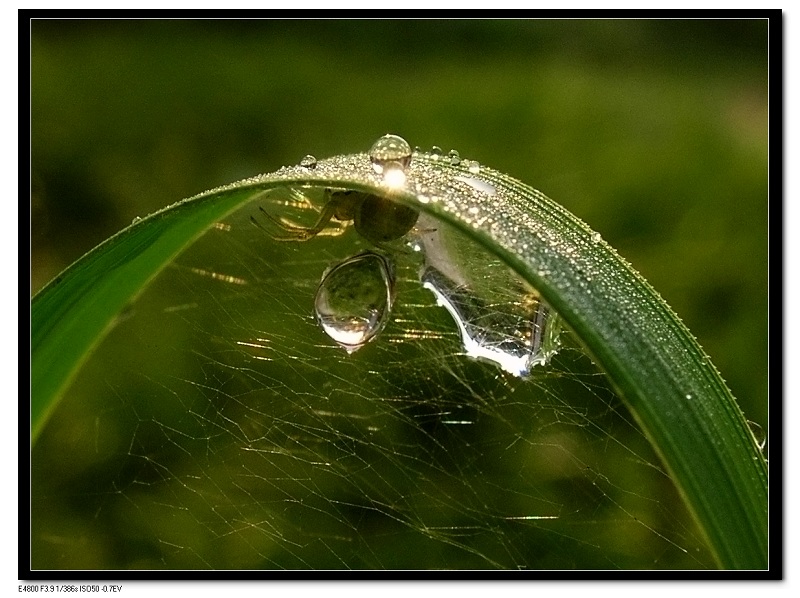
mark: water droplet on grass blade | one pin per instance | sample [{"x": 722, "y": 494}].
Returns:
[
  {"x": 354, "y": 299},
  {"x": 390, "y": 156},
  {"x": 308, "y": 161},
  {"x": 473, "y": 166},
  {"x": 759, "y": 434},
  {"x": 390, "y": 151}
]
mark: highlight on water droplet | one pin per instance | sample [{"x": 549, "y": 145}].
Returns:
[
  {"x": 308, "y": 161},
  {"x": 354, "y": 299},
  {"x": 394, "y": 176},
  {"x": 478, "y": 184}
]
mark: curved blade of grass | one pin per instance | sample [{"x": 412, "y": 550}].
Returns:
[
  {"x": 667, "y": 381},
  {"x": 75, "y": 310}
]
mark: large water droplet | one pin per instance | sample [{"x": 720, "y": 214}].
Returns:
[
  {"x": 455, "y": 158},
  {"x": 515, "y": 342},
  {"x": 500, "y": 318},
  {"x": 308, "y": 161},
  {"x": 390, "y": 151},
  {"x": 354, "y": 299}
]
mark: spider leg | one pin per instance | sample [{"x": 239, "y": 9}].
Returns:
[{"x": 296, "y": 233}]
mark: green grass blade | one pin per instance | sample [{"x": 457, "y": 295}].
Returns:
[
  {"x": 73, "y": 312},
  {"x": 669, "y": 384}
]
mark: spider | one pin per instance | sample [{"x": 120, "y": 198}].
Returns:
[{"x": 376, "y": 218}]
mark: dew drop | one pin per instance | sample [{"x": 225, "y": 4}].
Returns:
[
  {"x": 596, "y": 237},
  {"x": 436, "y": 152},
  {"x": 390, "y": 152},
  {"x": 354, "y": 299},
  {"x": 136, "y": 219},
  {"x": 308, "y": 161},
  {"x": 513, "y": 341},
  {"x": 759, "y": 434},
  {"x": 455, "y": 158},
  {"x": 473, "y": 166}
]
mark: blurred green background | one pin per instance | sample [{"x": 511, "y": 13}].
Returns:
[{"x": 652, "y": 131}]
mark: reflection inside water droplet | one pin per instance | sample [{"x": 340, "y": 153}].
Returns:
[{"x": 354, "y": 299}]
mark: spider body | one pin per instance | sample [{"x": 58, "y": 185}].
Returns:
[{"x": 377, "y": 219}]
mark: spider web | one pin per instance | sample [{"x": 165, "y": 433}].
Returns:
[{"x": 218, "y": 427}]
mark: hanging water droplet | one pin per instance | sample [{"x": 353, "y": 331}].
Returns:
[
  {"x": 390, "y": 151},
  {"x": 354, "y": 299},
  {"x": 513, "y": 341},
  {"x": 759, "y": 434},
  {"x": 455, "y": 158},
  {"x": 308, "y": 161}
]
